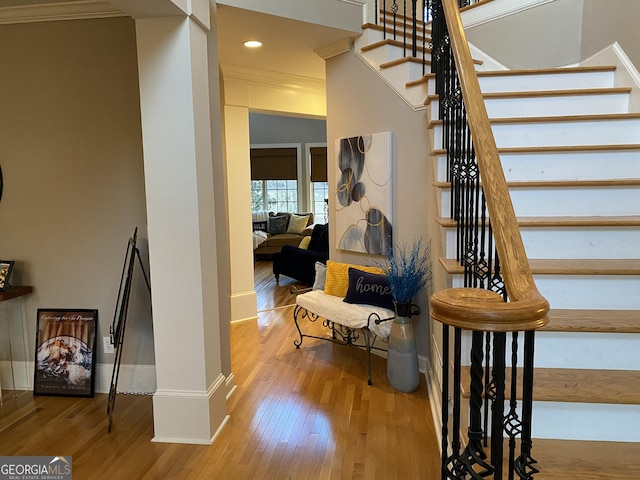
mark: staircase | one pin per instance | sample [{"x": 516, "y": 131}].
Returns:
[{"x": 570, "y": 149}]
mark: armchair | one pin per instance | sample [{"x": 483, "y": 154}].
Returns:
[{"x": 299, "y": 263}]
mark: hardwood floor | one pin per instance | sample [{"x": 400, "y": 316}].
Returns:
[
  {"x": 296, "y": 414},
  {"x": 270, "y": 294}
]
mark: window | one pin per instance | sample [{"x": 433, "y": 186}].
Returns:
[
  {"x": 320, "y": 192},
  {"x": 319, "y": 185}
]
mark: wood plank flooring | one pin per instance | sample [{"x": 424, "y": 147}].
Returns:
[{"x": 295, "y": 415}]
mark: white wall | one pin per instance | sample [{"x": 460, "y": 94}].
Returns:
[
  {"x": 611, "y": 21},
  {"x": 71, "y": 155},
  {"x": 345, "y": 14},
  {"x": 360, "y": 103},
  {"x": 530, "y": 38}
]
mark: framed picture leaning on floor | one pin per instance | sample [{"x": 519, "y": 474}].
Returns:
[
  {"x": 6, "y": 266},
  {"x": 65, "y": 352}
]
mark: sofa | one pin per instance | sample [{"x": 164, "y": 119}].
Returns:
[{"x": 274, "y": 230}]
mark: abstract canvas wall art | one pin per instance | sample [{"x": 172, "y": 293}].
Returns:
[{"x": 363, "y": 193}]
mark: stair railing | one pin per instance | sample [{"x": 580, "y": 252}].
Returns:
[
  {"x": 499, "y": 295},
  {"x": 408, "y": 19}
]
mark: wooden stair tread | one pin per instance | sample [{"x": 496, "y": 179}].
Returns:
[
  {"x": 546, "y": 71},
  {"x": 538, "y": 71},
  {"x": 402, "y": 60},
  {"x": 620, "y": 182},
  {"x": 389, "y": 29},
  {"x": 593, "y": 321},
  {"x": 559, "y": 148},
  {"x": 621, "y": 221},
  {"x": 615, "y": 266},
  {"x": 556, "y": 119},
  {"x": 616, "y": 387},
  {"x": 548, "y": 93},
  {"x": 395, "y": 43},
  {"x": 585, "y": 460}
]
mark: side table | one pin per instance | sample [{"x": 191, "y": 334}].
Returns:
[{"x": 15, "y": 294}]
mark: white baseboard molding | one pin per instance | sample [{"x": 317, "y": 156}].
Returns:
[{"x": 132, "y": 378}]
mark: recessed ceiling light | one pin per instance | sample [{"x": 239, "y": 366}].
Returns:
[{"x": 252, "y": 44}]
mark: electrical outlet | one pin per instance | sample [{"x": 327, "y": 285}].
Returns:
[{"x": 106, "y": 343}]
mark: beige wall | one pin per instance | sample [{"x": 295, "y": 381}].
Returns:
[
  {"x": 71, "y": 155},
  {"x": 359, "y": 103},
  {"x": 611, "y": 21},
  {"x": 531, "y": 38},
  {"x": 559, "y": 33}
]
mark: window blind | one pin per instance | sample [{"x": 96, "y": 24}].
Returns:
[
  {"x": 318, "y": 164},
  {"x": 274, "y": 164}
]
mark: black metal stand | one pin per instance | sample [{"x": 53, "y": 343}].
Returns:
[{"x": 117, "y": 328}]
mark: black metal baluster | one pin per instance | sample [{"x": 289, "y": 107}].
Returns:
[
  {"x": 512, "y": 424},
  {"x": 497, "y": 408},
  {"x": 474, "y": 456},
  {"x": 525, "y": 463},
  {"x": 445, "y": 401}
]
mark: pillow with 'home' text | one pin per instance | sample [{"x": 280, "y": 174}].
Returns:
[
  {"x": 338, "y": 277},
  {"x": 369, "y": 289}
]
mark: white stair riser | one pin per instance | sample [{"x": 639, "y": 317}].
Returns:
[
  {"x": 583, "y": 421},
  {"x": 536, "y": 82},
  {"x": 576, "y": 243},
  {"x": 591, "y": 351},
  {"x": 369, "y": 36},
  {"x": 566, "y": 201},
  {"x": 402, "y": 73},
  {"x": 387, "y": 53},
  {"x": 618, "y": 292},
  {"x": 591, "y": 292},
  {"x": 570, "y": 242},
  {"x": 594, "y": 351},
  {"x": 592, "y": 104},
  {"x": 574, "y": 165},
  {"x": 540, "y": 134}
]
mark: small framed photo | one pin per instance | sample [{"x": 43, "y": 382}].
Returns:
[
  {"x": 65, "y": 352},
  {"x": 6, "y": 266}
]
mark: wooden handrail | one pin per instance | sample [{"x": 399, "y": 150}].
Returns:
[{"x": 477, "y": 309}]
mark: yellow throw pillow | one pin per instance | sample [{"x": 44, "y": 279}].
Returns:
[
  {"x": 297, "y": 223},
  {"x": 304, "y": 243},
  {"x": 338, "y": 277}
]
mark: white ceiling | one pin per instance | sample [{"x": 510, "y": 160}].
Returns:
[{"x": 288, "y": 45}]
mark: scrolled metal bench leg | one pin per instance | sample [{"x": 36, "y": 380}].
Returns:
[
  {"x": 367, "y": 340},
  {"x": 296, "y": 312}
]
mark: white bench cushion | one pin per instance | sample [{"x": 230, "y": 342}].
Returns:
[{"x": 350, "y": 315}]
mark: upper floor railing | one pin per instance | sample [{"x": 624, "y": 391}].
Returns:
[{"x": 407, "y": 21}]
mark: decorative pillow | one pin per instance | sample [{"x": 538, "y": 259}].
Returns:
[
  {"x": 304, "y": 243},
  {"x": 297, "y": 223},
  {"x": 277, "y": 224},
  {"x": 260, "y": 226},
  {"x": 369, "y": 289},
  {"x": 338, "y": 277},
  {"x": 321, "y": 276}
]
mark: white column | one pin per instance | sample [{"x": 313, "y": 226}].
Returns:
[
  {"x": 189, "y": 404},
  {"x": 243, "y": 295}
]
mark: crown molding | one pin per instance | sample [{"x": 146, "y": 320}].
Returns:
[
  {"x": 51, "y": 12},
  {"x": 277, "y": 80},
  {"x": 335, "y": 49}
]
